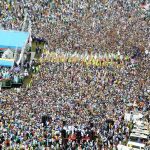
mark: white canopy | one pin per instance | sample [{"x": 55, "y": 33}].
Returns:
[{"x": 8, "y": 54}]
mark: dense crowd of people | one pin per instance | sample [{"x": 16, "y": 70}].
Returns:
[
  {"x": 75, "y": 104},
  {"x": 72, "y": 105},
  {"x": 106, "y": 26}
]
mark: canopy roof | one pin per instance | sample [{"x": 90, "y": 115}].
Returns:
[
  {"x": 6, "y": 62},
  {"x": 13, "y": 39}
]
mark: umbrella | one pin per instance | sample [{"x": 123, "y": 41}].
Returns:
[{"x": 16, "y": 69}]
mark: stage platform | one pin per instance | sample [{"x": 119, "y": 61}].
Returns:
[{"x": 13, "y": 39}]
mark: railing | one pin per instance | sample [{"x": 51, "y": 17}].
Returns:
[{"x": 26, "y": 27}]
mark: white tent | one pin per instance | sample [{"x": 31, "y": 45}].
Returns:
[{"x": 8, "y": 54}]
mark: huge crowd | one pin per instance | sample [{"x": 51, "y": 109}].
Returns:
[
  {"x": 71, "y": 105},
  {"x": 83, "y": 25}
]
